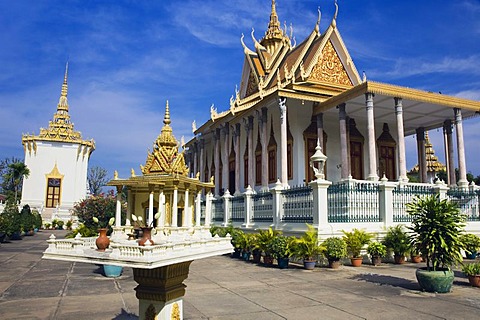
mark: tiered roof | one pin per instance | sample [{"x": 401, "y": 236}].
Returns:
[{"x": 60, "y": 129}]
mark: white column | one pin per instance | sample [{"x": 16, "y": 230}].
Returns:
[
  {"x": 198, "y": 208},
  {"x": 187, "y": 212},
  {"x": 262, "y": 121},
  {"x": 422, "y": 158},
  {"x": 248, "y": 207},
  {"x": 320, "y": 203},
  {"x": 150, "y": 208},
  {"x": 225, "y": 155},
  {"x": 277, "y": 204},
  {"x": 282, "y": 103},
  {"x": 249, "y": 131},
  {"x": 216, "y": 158},
  {"x": 195, "y": 159},
  {"x": 227, "y": 197},
  {"x": 208, "y": 209},
  {"x": 462, "y": 170},
  {"x": 371, "y": 143},
  {"x": 175, "y": 207},
  {"x": 342, "y": 117},
  {"x": 118, "y": 208},
  {"x": 237, "y": 158},
  {"x": 450, "y": 161},
  {"x": 386, "y": 201},
  {"x": 402, "y": 163},
  {"x": 161, "y": 209},
  {"x": 202, "y": 160}
]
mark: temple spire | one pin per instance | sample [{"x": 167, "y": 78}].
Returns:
[
  {"x": 166, "y": 119},
  {"x": 63, "y": 102},
  {"x": 274, "y": 33}
]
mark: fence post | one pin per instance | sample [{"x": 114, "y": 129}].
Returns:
[
  {"x": 227, "y": 198},
  {"x": 385, "y": 201},
  {"x": 248, "y": 207},
  {"x": 320, "y": 202},
  {"x": 208, "y": 209},
  {"x": 277, "y": 203},
  {"x": 441, "y": 189}
]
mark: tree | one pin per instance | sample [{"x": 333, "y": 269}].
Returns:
[
  {"x": 13, "y": 177},
  {"x": 96, "y": 179},
  {"x": 6, "y": 186}
]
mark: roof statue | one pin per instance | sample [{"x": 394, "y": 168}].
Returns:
[
  {"x": 165, "y": 157},
  {"x": 60, "y": 128}
]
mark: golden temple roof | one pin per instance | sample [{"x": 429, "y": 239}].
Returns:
[
  {"x": 165, "y": 158},
  {"x": 60, "y": 128}
]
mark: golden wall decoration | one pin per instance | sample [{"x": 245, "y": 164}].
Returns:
[
  {"x": 329, "y": 68},
  {"x": 252, "y": 86},
  {"x": 175, "y": 312},
  {"x": 151, "y": 313}
]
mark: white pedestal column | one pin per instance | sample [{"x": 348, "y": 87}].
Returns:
[
  {"x": 462, "y": 170},
  {"x": 342, "y": 118},
  {"x": 175, "y": 208},
  {"x": 402, "y": 163},
  {"x": 371, "y": 143},
  {"x": 248, "y": 207},
  {"x": 262, "y": 120},
  {"x": 320, "y": 204},
  {"x": 282, "y": 103}
]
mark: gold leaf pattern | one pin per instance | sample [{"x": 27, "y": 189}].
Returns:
[{"x": 329, "y": 68}]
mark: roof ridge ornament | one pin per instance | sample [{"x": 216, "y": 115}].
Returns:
[
  {"x": 63, "y": 102},
  {"x": 334, "y": 20},
  {"x": 317, "y": 25}
]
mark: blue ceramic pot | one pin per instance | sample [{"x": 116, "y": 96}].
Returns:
[
  {"x": 112, "y": 271},
  {"x": 283, "y": 263}
]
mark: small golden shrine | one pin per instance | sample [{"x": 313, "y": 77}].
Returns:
[
  {"x": 433, "y": 165},
  {"x": 164, "y": 184}
]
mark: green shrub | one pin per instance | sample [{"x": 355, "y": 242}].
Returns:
[
  {"x": 472, "y": 269},
  {"x": 376, "y": 249},
  {"x": 335, "y": 248},
  {"x": 356, "y": 240},
  {"x": 397, "y": 240},
  {"x": 10, "y": 220},
  {"x": 471, "y": 242},
  {"x": 83, "y": 230}
]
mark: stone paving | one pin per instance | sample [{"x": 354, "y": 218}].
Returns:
[{"x": 223, "y": 288}]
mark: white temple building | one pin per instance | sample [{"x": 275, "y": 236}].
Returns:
[{"x": 58, "y": 162}]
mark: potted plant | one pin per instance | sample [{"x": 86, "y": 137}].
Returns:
[
  {"x": 472, "y": 271},
  {"x": 308, "y": 248},
  {"x": 376, "y": 250},
  {"x": 10, "y": 221},
  {"x": 436, "y": 226},
  {"x": 334, "y": 249},
  {"x": 356, "y": 240},
  {"x": 237, "y": 236},
  {"x": 396, "y": 240},
  {"x": 471, "y": 243},
  {"x": 244, "y": 241},
  {"x": 264, "y": 238},
  {"x": 281, "y": 249}
]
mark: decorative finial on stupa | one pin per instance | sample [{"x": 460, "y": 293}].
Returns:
[
  {"x": 63, "y": 102},
  {"x": 334, "y": 20},
  {"x": 166, "y": 119},
  {"x": 317, "y": 25}
]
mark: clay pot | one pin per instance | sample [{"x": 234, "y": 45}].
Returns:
[
  {"x": 399, "y": 259},
  {"x": 334, "y": 264},
  {"x": 268, "y": 261},
  {"x": 356, "y": 262},
  {"x": 102, "y": 241},
  {"x": 416, "y": 259},
  {"x": 474, "y": 280},
  {"x": 147, "y": 235}
]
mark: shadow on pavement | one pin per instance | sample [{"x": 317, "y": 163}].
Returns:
[
  {"x": 388, "y": 280},
  {"x": 124, "y": 315}
]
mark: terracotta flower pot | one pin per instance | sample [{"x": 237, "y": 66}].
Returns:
[
  {"x": 147, "y": 235},
  {"x": 416, "y": 259},
  {"x": 356, "y": 262},
  {"x": 102, "y": 241},
  {"x": 268, "y": 261},
  {"x": 474, "y": 280}
]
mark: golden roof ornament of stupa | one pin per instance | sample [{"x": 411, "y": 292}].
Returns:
[
  {"x": 165, "y": 158},
  {"x": 60, "y": 128}
]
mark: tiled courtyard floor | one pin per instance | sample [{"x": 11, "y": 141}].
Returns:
[{"x": 223, "y": 288}]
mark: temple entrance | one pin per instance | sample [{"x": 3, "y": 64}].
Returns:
[
  {"x": 387, "y": 162},
  {"x": 356, "y": 159}
]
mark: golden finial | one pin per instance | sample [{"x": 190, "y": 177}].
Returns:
[
  {"x": 273, "y": 30},
  {"x": 115, "y": 175},
  {"x": 63, "y": 102},
  {"x": 334, "y": 21},
  {"x": 166, "y": 119},
  {"x": 132, "y": 173}
]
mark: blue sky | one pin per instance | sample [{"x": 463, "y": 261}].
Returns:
[{"x": 126, "y": 58}]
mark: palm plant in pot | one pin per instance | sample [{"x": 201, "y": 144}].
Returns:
[
  {"x": 436, "y": 226},
  {"x": 471, "y": 243},
  {"x": 376, "y": 250},
  {"x": 308, "y": 248},
  {"x": 264, "y": 238},
  {"x": 356, "y": 240},
  {"x": 472, "y": 271},
  {"x": 334, "y": 249},
  {"x": 396, "y": 240}
]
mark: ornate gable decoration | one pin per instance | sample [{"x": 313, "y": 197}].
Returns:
[
  {"x": 329, "y": 67},
  {"x": 165, "y": 158}
]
